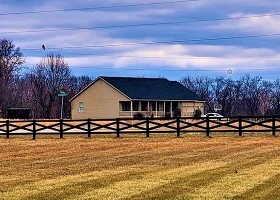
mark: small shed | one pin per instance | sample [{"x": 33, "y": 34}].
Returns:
[{"x": 18, "y": 113}]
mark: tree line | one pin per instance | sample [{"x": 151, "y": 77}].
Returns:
[
  {"x": 37, "y": 87},
  {"x": 246, "y": 96}
]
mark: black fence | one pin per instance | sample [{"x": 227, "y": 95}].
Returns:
[{"x": 118, "y": 126}]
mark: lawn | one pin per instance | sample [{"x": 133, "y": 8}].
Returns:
[{"x": 135, "y": 167}]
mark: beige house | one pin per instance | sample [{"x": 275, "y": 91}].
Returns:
[{"x": 113, "y": 97}]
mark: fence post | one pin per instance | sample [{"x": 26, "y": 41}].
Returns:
[
  {"x": 273, "y": 125},
  {"x": 8, "y": 128},
  {"x": 118, "y": 127},
  {"x": 33, "y": 129},
  {"x": 178, "y": 126},
  {"x": 89, "y": 131},
  {"x": 240, "y": 126},
  {"x": 147, "y": 127},
  {"x": 61, "y": 128},
  {"x": 207, "y": 126}
]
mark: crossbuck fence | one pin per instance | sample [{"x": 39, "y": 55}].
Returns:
[{"x": 147, "y": 126}]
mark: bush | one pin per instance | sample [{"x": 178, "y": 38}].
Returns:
[
  {"x": 177, "y": 112},
  {"x": 167, "y": 115},
  {"x": 138, "y": 115},
  {"x": 197, "y": 113}
]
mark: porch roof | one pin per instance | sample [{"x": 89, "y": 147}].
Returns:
[{"x": 151, "y": 88}]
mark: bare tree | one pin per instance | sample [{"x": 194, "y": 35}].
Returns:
[
  {"x": 275, "y": 96},
  {"x": 249, "y": 92},
  {"x": 225, "y": 94},
  {"x": 50, "y": 76},
  {"x": 245, "y": 96},
  {"x": 78, "y": 83},
  {"x": 203, "y": 86},
  {"x": 265, "y": 104},
  {"x": 11, "y": 60}
]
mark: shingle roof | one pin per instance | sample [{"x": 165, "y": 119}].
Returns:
[{"x": 151, "y": 88}]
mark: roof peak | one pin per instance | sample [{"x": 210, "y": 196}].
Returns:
[
  {"x": 133, "y": 77},
  {"x": 150, "y": 88}
]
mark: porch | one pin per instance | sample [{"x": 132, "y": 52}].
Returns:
[{"x": 148, "y": 108}]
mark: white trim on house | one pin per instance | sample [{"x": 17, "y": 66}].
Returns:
[
  {"x": 116, "y": 89},
  {"x": 168, "y": 100},
  {"x": 98, "y": 78},
  {"x": 74, "y": 97}
]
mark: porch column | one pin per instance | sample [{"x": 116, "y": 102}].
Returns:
[
  {"x": 164, "y": 108},
  {"x": 171, "y": 113},
  {"x": 131, "y": 109},
  {"x": 156, "y": 108}
]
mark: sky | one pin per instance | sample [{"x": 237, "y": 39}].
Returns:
[{"x": 152, "y": 38}]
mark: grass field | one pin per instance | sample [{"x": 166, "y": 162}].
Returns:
[{"x": 132, "y": 167}]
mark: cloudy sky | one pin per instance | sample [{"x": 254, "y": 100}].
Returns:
[{"x": 149, "y": 38}]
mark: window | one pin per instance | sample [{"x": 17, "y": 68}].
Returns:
[
  {"x": 125, "y": 105},
  {"x": 81, "y": 107}
]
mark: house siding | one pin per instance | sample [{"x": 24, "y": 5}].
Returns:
[{"x": 100, "y": 101}]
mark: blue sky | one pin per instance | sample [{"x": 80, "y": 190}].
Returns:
[{"x": 255, "y": 56}]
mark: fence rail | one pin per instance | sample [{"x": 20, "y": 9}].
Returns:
[{"x": 118, "y": 126}]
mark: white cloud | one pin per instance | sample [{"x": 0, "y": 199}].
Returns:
[
  {"x": 224, "y": 57},
  {"x": 181, "y": 57},
  {"x": 237, "y": 56},
  {"x": 265, "y": 24}
]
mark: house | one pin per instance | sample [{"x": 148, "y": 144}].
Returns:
[{"x": 113, "y": 97}]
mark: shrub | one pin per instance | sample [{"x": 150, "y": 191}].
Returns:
[
  {"x": 167, "y": 115},
  {"x": 197, "y": 113},
  {"x": 177, "y": 112},
  {"x": 138, "y": 115}
]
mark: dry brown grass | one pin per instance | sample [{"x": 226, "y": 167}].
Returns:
[{"x": 135, "y": 167}]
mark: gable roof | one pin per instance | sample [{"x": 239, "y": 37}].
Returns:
[
  {"x": 151, "y": 88},
  {"x": 147, "y": 88}
]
